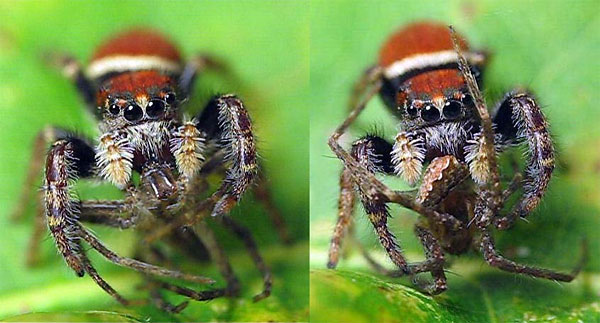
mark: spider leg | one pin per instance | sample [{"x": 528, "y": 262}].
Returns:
[
  {"x": 90, "y": 270},
  {"x": 520, "y": 118},
  {"x": 493, "y": 257},
  {"x": 73, "y": 71},
  {"x": 366, "y": 181},
  {"x": 346, "y": 204},
  {"x": 151, "y": 254},
  {"x": 109, "y": 213},
  {"x": 136, "y": 264},
  {"x": 404, "y": 158},
  {"x": 434, "y": 262},
  {"x": 485, "y": 154},
  {"x": 534, "y": 127},
  {"x": 204, "y": 295},
  {"x": 374, "y": 154},
  {"x": 442, "y": 175},
  {"x": 160, "y": 302},
  {"x": 227, "y": 121},
  {"x": 244, "y": 234},
  {"x": 69, "y": 158},
  {"x": 217, "y": 254},
  {"x": 186, "y": 239}
]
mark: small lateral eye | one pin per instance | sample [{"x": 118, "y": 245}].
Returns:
[
  {"x": 411, "y": 111},
  {"x": 114, "y": 109},
  {"x": 155, "y": 108},
  {"x": 430, "y": 113},
  {"x": 170, "y": 98},
  {"x": 452, "y": 109},
  {"x": 133, "y": 112}
]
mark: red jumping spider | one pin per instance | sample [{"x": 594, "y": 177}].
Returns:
[
  {"x": 432, "y": 87},
  {"x": 135, "y": 85}
]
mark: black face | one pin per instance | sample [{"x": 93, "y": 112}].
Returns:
[
  {"x": 419, "y": 112},
  {"x": 122, "y": 109}
]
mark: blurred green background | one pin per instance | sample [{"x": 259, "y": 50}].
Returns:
[
  {"x": 552, "y": 47},
  {"x": 270, "y": 55}
]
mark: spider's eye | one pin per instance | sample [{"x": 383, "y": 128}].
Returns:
[
  {"x": 114, "y": 109},
  {"x": 429, "y": 113},
  {"x": 133, "y": 112},
  {"x": 411, "y": 110},
  {"x": 155, "y": 108},
  {"x": 170, "y": 98},
  {"x": 452, "y": 109}
]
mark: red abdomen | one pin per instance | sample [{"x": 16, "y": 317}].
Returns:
[
  {"x": 135, "y": 50},
  {"x": 415, "y": 39}
]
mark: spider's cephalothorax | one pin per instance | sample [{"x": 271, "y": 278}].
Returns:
[
  {"x": 134, "y": 85},
  {"x": 422, "y": 80}
]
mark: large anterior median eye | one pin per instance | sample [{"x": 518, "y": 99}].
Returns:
[
  {"x": 133, "y": 112},
  {"x": 114, "y": 109},
  {"x": 452, "y": 109},
  {"x": 429, "y": 113},
  {"x": 411, "y": 110},
  {"x": 155, "y": 108}
]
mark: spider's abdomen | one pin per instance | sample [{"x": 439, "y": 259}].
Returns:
[
  {"x": 134, "y": 50},
  {"x": 414, "y": 40},
  {"x": 421, "y": 60}
]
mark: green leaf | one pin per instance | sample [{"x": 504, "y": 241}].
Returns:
[
  {"x": 551, "y": 47},
  {"x": 358, "y": 297},
  {"x": 91, "y": 316}
]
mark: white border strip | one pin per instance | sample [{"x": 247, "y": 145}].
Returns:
[
  {"x": 121, "y": 63},
  {"x": 421, "y": 61}
]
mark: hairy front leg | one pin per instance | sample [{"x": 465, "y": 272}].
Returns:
[
  {"x": 226, "y": 121},
  {"x": 519, "y": 118},
  {"x": 68, "y": 159}
]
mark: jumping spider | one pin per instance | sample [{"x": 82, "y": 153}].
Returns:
[
  {"x": 135, "y": 85},
  {"x": 429, "y": 84}
]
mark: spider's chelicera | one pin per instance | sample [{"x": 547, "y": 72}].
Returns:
[
  {"x": 429, "y": 80},
  {"x": 134, "y": 85}
]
